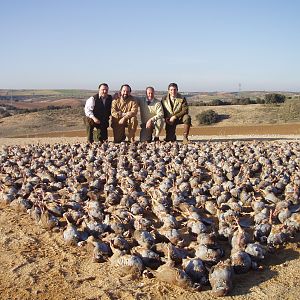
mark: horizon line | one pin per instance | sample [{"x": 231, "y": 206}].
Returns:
[{"x": 137, "y": 90}]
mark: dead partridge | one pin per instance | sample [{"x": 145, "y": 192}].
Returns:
[
  {"x": 71, "y": 234},
  {"x": 169, "y": 274},
  {"x": 172, "y": 275},
  {"x": 220, "y": 278},
  {"x": 240, "y": 239},
  {"x": 195, "y": 268},
  {"x": 126, "y": 264},
  {"x": 48, "y": 220},
  {"x": 150, "y": 258},
  {"x": 101, "y": 250},
  {"x": 240, "y": 261}
]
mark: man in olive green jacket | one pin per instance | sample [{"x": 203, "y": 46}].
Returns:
[{"x": 175, "y": 112}]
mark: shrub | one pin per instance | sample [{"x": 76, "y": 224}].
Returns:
[
  {"x": 289, "y": 110},
  {"x": 216, "y": 102},
  {"x": 260, "y": 101},
  {"x": 4, "y": 114},
  {"x": 194, "y": 103},
  {"x": 207, "y": 117},
  {"x": 274, "y": 98},
  {"x": 55, "y": 107},
  {"x": 243, "y": 101}
]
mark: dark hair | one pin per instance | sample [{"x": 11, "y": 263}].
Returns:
[
  {"x": 173, "y": 84},
  {"x": 149, "y": 87},
  {"x": 127, "y": 86},
  {"x": 105, "y": 84}
]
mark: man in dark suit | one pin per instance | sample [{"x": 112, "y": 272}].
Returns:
[{"x": 97, "y": 113}]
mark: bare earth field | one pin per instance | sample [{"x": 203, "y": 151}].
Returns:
[
  {"x": 37, "y": 264},
  {"x": 44, "y": 103}
]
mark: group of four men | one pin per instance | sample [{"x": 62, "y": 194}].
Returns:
[{"x": 123, "y": 108}]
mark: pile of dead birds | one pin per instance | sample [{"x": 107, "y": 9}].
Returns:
[{"x": 190, "y": 215}]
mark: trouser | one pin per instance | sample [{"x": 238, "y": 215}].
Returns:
[
  {"x": 171, "y": 128},
  {"x": 146, "y": 133},
  {"x": 119, "y": 130},
  {"x": 101, "y": 133}
]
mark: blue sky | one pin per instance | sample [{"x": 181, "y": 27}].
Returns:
[{"x": 202, "y": 45}]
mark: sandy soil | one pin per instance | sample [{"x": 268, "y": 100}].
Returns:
[
  {"x": 197, "y": 132},
  {"x": 37, "y": 264}
]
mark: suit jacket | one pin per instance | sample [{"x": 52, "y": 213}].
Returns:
[
  {"x": 125, "y": 106},
  {"x": 153, "y": 111},
  {"x": 101, "y": 111},
  {"x": 95, "y": 107},
  {"x": 179, "y": 109}
]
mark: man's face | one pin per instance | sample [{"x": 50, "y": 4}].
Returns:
[
  {"x": 172, "y": 91},
  {"x": 125, "y": 92},
  {"x": 150, "y": 94},
  {"x": 103, "y": 90}
]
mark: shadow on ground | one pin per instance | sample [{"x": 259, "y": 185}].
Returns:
[{"x": 282, "y": 257}]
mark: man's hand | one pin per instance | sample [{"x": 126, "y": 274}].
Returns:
[
  {"x": 96, "y": 121},
  {"x": 149, "y": 124},
  {"x": 122, "y": 121},
  {"x": 171, "y": 120}
]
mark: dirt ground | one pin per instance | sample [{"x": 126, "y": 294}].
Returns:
[
  {"x": 203, "y": 132},
  {"x": 37, "y": 264}
]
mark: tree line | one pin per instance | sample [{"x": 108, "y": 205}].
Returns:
[{"x": 271, "y": 98}]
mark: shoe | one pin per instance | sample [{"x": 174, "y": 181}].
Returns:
[
  {"x": 156, "y": 139},
  {"x": 172, "y": 139},
  {"x": 185, "y": 140}
]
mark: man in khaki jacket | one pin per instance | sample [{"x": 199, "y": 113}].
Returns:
[
  {"x": 152, "y": 116},
  {"x": 176, "y": 112},
  {"x": 124, "y": 115}
]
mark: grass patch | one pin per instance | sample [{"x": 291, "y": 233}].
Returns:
[{"x": 290, "y": 110}]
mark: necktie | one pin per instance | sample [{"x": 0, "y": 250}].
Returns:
[
  {"x": 172, "y": 103},
  {"x": 148, "y": 102}
]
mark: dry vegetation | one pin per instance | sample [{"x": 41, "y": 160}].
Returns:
[
  {"x": 254, "y": 114},
  {"x": 69, "y": 122},
  {"x": 41, "y": 122}
]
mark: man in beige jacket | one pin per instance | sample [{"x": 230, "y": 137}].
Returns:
[
  {"x": 124, "y": 115},
  {"x": 152, "y": 116}
]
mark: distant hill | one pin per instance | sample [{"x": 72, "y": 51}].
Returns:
[{"x": 7, "y": 94}]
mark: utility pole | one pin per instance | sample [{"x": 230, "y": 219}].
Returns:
[
  {"x": 240, "y": 88},
  {"x": 11, "y": 92}
]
